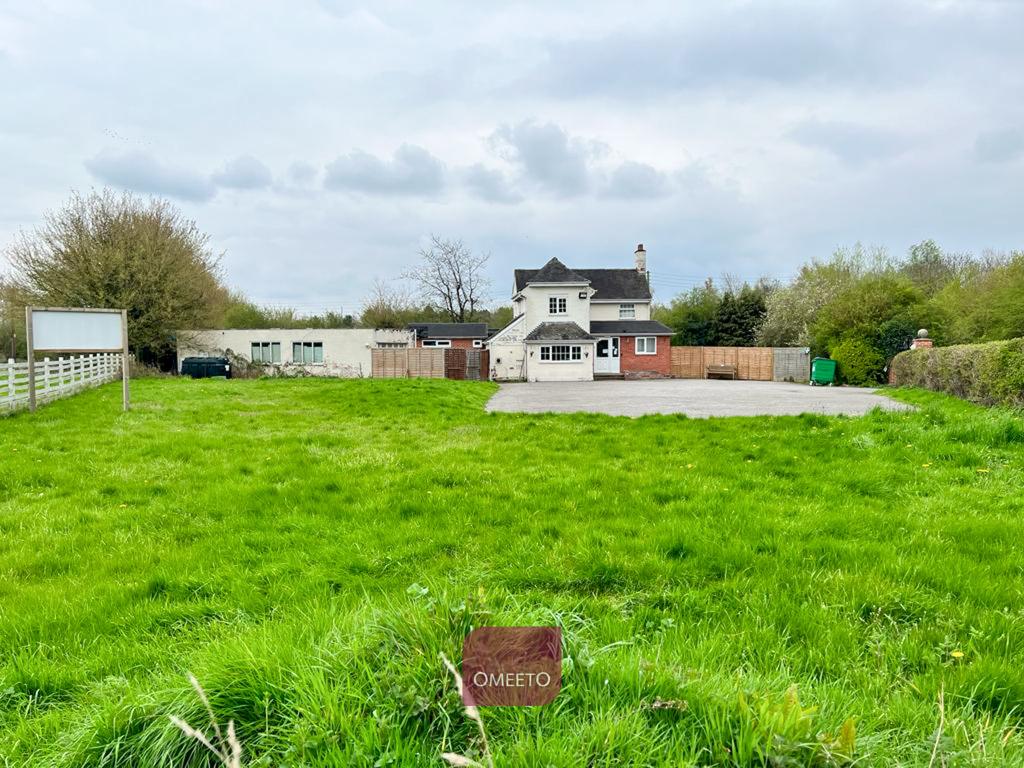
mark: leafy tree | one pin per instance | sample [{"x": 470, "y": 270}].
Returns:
[
  {"x": 860, "y": 310},
  {"x": 115, "y": 250},
  {"x": 387, "y": 306},
  {"x": 930, "y": 269},
  {"x": 895, "y": 335},
  {"x": 499, "y": 317},
  {"x": 727, "y": 326},
  {"x": 705, "y": 317},
  {"x": 751, "y": 311},
  {"x": 243, "y": 313},
  {"x": 986, "y": 303},
  {"x": 691, "y": 315},
  {"x": 792, "y": 310}
]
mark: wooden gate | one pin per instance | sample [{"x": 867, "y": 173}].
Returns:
[{"x": 455, "y": 363}]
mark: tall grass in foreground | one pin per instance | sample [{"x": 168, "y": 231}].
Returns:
[
  {"x": 742, "y": 592},
  {"x": 225, "y": 748}
]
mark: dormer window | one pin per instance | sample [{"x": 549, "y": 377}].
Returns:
[
  {"x": 627, "y": 311},
  {"x": 558, "y": 305}
]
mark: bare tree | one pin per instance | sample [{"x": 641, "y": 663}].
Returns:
[{"x": 451, "y": 276}]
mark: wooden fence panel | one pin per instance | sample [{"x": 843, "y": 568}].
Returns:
[
  {"x": 754, "y": 363},
  {"x": 720, "y": 356},
  {"x": 687, "y": 363},
  {"x": 389, "y": 363},
  {"x": 426, "y": 363},
  {"x": 429, "y": 363}
]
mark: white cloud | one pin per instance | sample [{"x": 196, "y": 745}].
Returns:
[
  {"x": 141, "y": 172},
  {"x": 851, "y": 142},
  {"x": 491, "y": 185},
  {"x": 411, "y": 171},
  {"x": 244, "y": 172},
  {"x": 547, "y": 156},
  {"x": 632, "y": 180}
]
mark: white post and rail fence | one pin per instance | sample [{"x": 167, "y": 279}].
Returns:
[
  {"x": 80, "y": 348},
  {"x": 56, "y": 378}
]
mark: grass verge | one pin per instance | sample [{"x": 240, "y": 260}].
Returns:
[{"x": 795, "y": 590}]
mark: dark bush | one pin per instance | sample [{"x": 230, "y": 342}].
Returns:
[
  {"x": 991, "y": 374},
  {"x": 858, "y": 362}
]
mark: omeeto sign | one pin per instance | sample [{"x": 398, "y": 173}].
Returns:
[{"x": 53, "y": 330}]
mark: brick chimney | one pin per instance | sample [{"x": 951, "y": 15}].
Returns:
[{"x": 641, "y": 259}]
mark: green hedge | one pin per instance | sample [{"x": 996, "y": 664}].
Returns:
[
  {"x": 992, "y": 373},
  {"x": 859, "y": 363}
]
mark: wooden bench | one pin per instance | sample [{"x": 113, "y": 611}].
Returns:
[{"x": 720, "y": 371}]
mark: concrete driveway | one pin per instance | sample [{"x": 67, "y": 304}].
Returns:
[{"x": 698, "y": 398}]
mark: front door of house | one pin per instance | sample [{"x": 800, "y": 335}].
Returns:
[{"x": 606, "y": 356}]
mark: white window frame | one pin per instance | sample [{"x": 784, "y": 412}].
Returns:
[
  {"x": 560, "y": 303},
  {"x": 627, "y": 311},
  {"x": 268, "y": 351},
  {"x": 650, "y": 345},
  {"x": 311, "y": 347},
  {"x": 441, "y": 343},
  {"x": 574, "y": 354}
]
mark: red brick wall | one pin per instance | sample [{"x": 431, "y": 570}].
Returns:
[
  {"x": 456, "y": 344},
  {"x": 654, "y": 366}
]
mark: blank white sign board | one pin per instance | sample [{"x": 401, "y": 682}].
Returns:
[
  {"x": 60, "y": 329},
  {"x": 83, "y": 331}
]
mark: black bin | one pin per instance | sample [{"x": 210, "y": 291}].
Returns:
[{"x": 206, "y": 367}]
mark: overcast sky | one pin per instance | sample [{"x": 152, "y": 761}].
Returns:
[{"x": 320, "y": 143}]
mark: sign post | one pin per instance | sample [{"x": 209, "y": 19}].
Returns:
[
  {"x": 79, "y": 330},
  {"x": 31, "y": 360},
  {"x": 124, "y": 359}
]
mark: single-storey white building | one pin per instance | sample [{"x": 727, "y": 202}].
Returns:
[{"x": 342, "y": 352}]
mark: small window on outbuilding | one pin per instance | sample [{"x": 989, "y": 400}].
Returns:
[
  {"x": 266, "y": 352},
  {"x": 307, "y": 352}
]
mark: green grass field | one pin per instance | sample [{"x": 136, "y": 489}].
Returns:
[{"x": 732, "y": 591}]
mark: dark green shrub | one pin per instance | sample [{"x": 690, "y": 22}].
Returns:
[
  {"x": 991, "y": 374},
  {"x": 858, "y": 362}
]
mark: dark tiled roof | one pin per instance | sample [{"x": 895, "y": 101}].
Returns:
[
  {"x": 553, "y": 272},
  {"x": 449, "y": 330},
  {"x": 558, "y": 332},
  {"x": 626, "y": 284},
  {"x": 630, "y": 327}
]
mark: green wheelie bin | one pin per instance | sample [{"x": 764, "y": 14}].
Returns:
[{"x": 823, "y": 371}]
